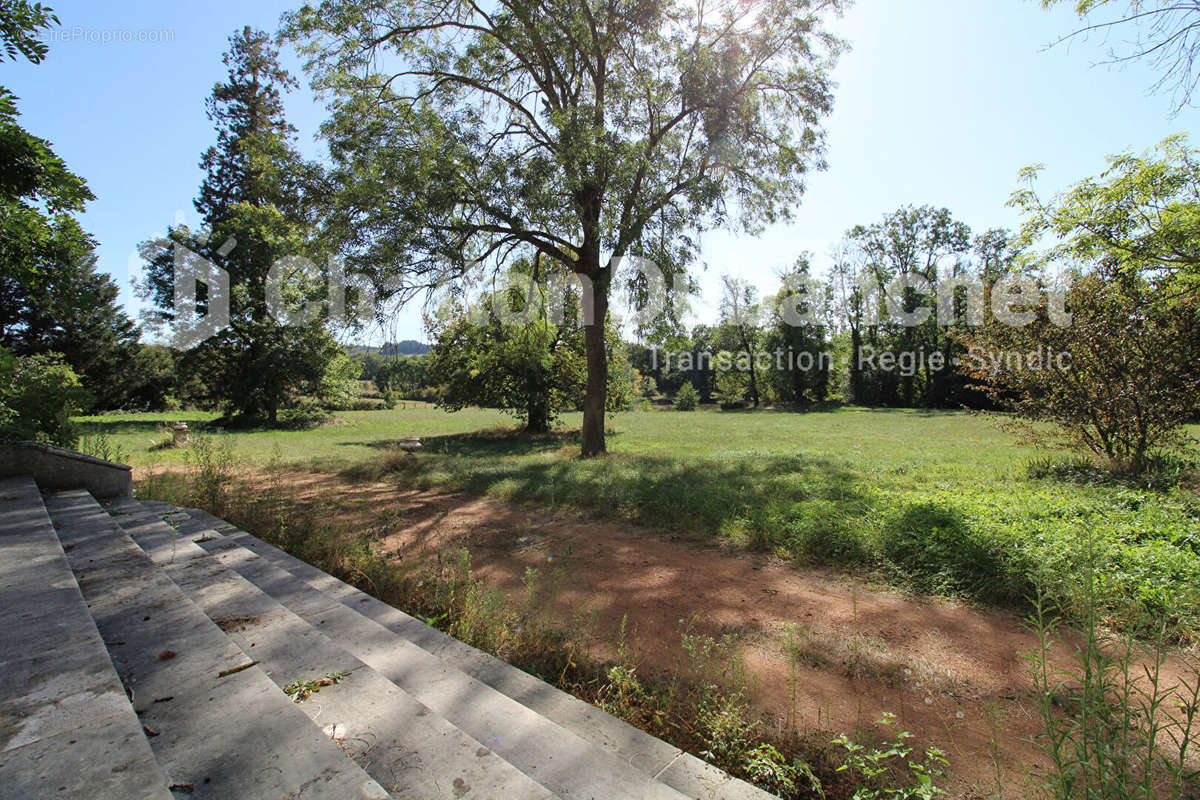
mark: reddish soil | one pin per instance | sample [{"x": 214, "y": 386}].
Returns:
[{"x": 953, "y": 675}]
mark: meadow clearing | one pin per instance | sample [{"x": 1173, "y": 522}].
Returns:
[
  {"x": 934, "y": 501},
  {"x": 729, "y": 580}
]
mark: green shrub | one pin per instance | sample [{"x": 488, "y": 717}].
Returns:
[
  {"x": 1159, "y": 472},
  {"x": 38, "y": 396},
  {"x": 99, "y": 446},
  {"x": 818, "y": 531},
  {"x": 687, "y": 398},
  {"x": 304, "y": 416},
  {"x": 210, "y": 474}
]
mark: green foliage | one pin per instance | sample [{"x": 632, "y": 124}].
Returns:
[
  {"x": 63, "y": 305},
  {"x": 20, "y": 22},
  {"x": 1140, "y": 215},
  {"x": 939, "y": 553},
  {"x": 252, "y": 195},
  {"x": 877, "y": 769},
  {"x": 731, "y": 384},
  {"x": 1115, "y": 724},
  {"x": 338, "y": 381},
  {"x": 912, "y": 243},
  {"x": 52, "y": 299},
  {"x": 402, "y": 377},
  {"x": 510, "y": 352},
  {"x": 622, "y": 378},
  {"x": 38, "y": 396},
  {"x": 1129, "y": 380},
  {"x": 32, "y": 178},
  {"x": 740, "y": 332},
  {"x": 210, "y": 468},
  {"x": 687, "y": 398},
  {"x": 804, "y": 378},
  {"x": 99, "y": 446},
  {"x": 830, "y": 487},
  {"x": 699, "y": 704},
  {"x": 548, "y": 130},
  {"x": 1162, "y": 472}
]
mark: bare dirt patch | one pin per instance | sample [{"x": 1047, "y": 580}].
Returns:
[{"x": 831, "y": 652}]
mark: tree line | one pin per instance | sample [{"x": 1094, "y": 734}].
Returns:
[{"x": 559, "y": 140}]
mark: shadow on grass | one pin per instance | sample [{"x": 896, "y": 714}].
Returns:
[
  {"x": 493, "y": 442},
  {"x": 812, "y": 508},
  {"x": 940, "y": 553},
  {"x": 118, "y": 427}
]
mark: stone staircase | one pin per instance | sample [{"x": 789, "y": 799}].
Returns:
[{"x": 145, "y": 649}]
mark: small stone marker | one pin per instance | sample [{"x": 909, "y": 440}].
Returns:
[
  {"x": 410, "y": 444},
  {"x": 180, "y": 433}
]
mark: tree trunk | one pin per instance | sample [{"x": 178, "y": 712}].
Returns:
[
  {"x": 537, "y": 417},
  {"x": 856, "y": 388},
  {"x": 753, "y": 380},
  {"x": 597, "y": 373}
]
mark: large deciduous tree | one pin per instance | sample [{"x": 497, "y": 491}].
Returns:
[
  {"x": 906, "y": 254},
  {"x": 574, "y": 129},
  {"x": 800, "y": 329},
  {"x": 739, "y": 331}
]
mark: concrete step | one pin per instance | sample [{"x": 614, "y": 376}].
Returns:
[
  {"x": 647, "y": 754},
  {"x": 66, "y": 726},
  {"x": 408, "y": 749},
  {"x": 558, "y": 759},
  {"x": 217, "y": 725}
]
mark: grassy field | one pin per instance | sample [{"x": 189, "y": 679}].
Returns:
[{"x": 939, "y": 501}]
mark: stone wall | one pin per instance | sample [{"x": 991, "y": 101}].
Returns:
[{"x": 56, "y": 469}]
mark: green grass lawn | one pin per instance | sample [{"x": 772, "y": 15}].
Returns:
[{"x": 940, "y": 501}]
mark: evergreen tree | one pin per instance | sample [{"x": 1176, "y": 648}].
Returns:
[{"x": 253, "y": 209}]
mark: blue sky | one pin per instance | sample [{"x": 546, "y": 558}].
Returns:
[{"x": 939, "y": 102}]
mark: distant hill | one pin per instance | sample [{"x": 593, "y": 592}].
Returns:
[{"x": 408, "y": 347}]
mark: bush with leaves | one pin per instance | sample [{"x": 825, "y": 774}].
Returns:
[
  {"x": 1118, "y": 722},
  {"x": 731, "y": 384},
  {"x": 531, "y": 370},
  {"x": 38, "y": 396},
  {"x": 877, "y": 769},
  {"x": 1130, "y": 379},
  {"x": 1120, "y": 381},
  {"x": 687, "y": 398}
]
